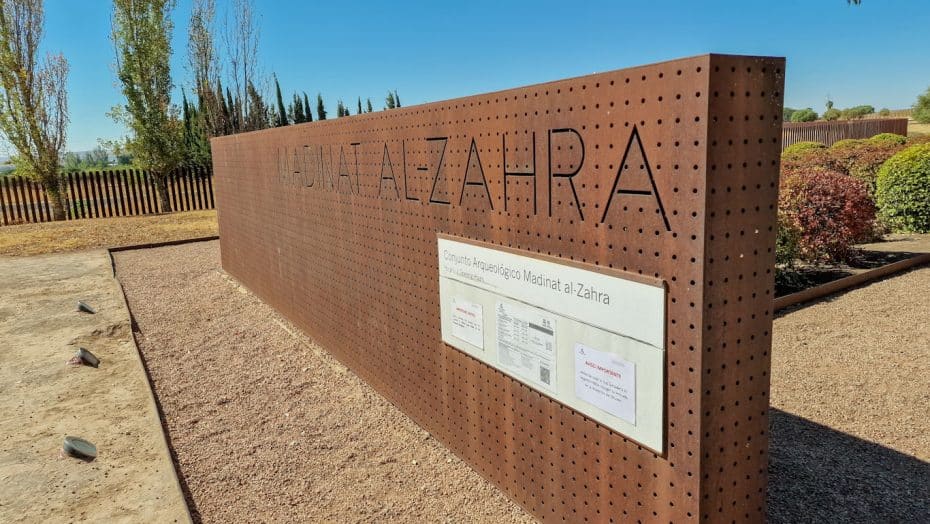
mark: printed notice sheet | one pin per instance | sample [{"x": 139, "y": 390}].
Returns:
[
  {"x": 468, "y": 322},
  {"x": 526, "y": 343},
  {"x": 606, "y": 381}
]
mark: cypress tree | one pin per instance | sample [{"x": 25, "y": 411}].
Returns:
[
  {"x": 282, "y": 114},
  {"x": 296, "y": 110},
  {"x": 369, "y": 106},
  {"x": 389, "y": 101},
  {"x": 320, "y": 109},
  {"x": 233, "y": 114},
  {"x": 359, "y": 106},
  {"x": 396, "y": 99},
  {"x": 223, "y": 108},
  {"x": 308, "y": 113}
]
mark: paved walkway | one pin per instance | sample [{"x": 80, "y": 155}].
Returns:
[{"x": 42, "y": 400}]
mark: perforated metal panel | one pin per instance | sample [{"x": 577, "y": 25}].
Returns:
[{"x": 667, "y": 171}]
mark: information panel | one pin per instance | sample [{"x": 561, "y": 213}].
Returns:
[{"x": 588, "y": 338}]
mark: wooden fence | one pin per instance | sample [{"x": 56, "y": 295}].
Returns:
[
  {"x": 102, "y": 194},
  {"x": 830, "y": 132}
]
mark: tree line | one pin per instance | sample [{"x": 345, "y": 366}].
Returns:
[{"x": 227, "y": 91}]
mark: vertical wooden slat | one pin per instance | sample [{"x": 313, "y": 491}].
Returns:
[
  {"x": 37, "y": 190},
  {"x": 30, "y": 188},
  {"x": 198, "y": 188},
  {"x": 24, "y": 196},
  {"x": 202, "y": 188},
  {"x": 86, "y": 209},
  {"x": 47, "y": 203},
  {"x": 82, "y": 189},
  {"x": 17, "y": 208},
  {"x": 40, "y": 200},
  {"x": 95, "y": 193},
  {"x": 107, "y": 176},
  {"x": 121, "y": 191},
  {"x": 179, "y": 184},
  {"x": 176, "y": 190},
  {"x": 150, "y": 195},
  {"x": 20, "y": 200},
  {"x": 89, "y": 199},
  {"x": 198, "y": 191},
  {"x": 130, "y": 200},
  {"x": 172, "y": 182},
  {"x": 188, "y": 190},
  {"x": 70, "y": 212},
  {"x": 114, "y": 186},
  {"x": 209, "y": 171},
  {"x": 126, "y": 182},
  {"x": 24, "y": 193},
  {"x": 153, "y": 192},
  {"x": 4, "y": 200},
  {"x": 98, "y": 194},
  {"x": 137, "y": 190},
  {"x": 24, "y": 199},
  {"x": 144, "y": 191},
  {"x": 93, "y": 205},
  {"x": 105, "y": 194},
  {"x": 193, "y": 187}
]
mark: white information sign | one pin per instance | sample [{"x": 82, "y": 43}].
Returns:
[
  {"x": 526, "y": 343},
  {"x": 589, "y": 339},
  {"x": 606, "y": 381},
  {"x": 468, "y": 321},
  {"x": 622, "y": 306}
]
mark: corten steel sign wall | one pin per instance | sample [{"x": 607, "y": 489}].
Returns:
[{"x": 666, "y": 172}]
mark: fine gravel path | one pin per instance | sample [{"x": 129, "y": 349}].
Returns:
[
  {"x": 267, "y": 426},
  {"x": 850, "y": 403}
]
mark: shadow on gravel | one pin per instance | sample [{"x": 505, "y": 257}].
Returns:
[{"x": 818, "y": 474}]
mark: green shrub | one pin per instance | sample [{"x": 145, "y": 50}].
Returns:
[
  {"x": 921, "y": 111},
  {"x": 830, "y": 211},
  {"x": 804, "y": 115},
  {"x": 857, "y": 158},
  {"x": 884, "y": 112},
  {"x": 902, "y": 190},
  {"x": 889, "y": 137},
  {"x": 831, "y": 114},
  {"x": 799, "y": 149},
  {"x": 787, "y": 243},
  {"x": 856, "y": 112},
  {"x": 846, "y": 142}
]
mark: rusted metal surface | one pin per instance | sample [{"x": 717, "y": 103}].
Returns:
[
  {"x": 668, "y": 170},
  {"x": 831, "y": 132}
]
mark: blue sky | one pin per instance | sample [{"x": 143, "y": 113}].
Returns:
[{"x": 877, "y": 54}]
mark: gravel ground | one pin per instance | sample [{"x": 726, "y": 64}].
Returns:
[
  {"x": 850, "y": 398},
  {"x": 267, "y": 426}
]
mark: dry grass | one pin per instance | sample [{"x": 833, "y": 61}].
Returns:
[
  {"x": 56, "y": 237},
  {"x": 914, "y": 127}
]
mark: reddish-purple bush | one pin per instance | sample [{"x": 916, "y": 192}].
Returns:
[{"x": 830, "y": 210}]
